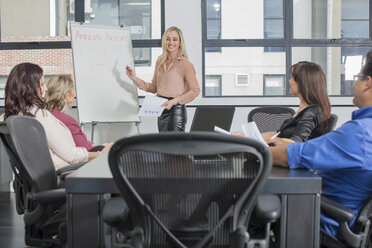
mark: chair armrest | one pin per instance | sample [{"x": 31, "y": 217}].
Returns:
[
  {"x": 115, "y": 211},
  {"x": 268, "y": 208},
  {"x": 63, "y": 175},
  {"x": 69, "y": 168},
  {"x": 335, "y": 210},
  {"x": 342, "y": 215},
  {"x": 48, "y": 196}
]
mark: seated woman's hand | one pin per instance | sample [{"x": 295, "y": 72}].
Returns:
[
  {"x": 107, "y": 147},
  {"x": 238, "y": 133}
]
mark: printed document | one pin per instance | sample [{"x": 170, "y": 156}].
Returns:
[
  {"x": 251, "y": 131},
  {"x": 151, "y": 106},
  {"x": 221, "y": 130}
]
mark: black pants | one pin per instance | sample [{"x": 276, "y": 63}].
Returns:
[{"x": 173, "y": 120}]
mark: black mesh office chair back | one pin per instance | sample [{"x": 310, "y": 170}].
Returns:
[
  {"x": 28, "y": 141},
  {"x": 37, "y": 194},
  {"x": 332, "y": 122},
  {"x": 270, "y": 118},
  {"x": 189, "y": 189}
]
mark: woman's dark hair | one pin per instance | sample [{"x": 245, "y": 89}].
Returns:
[
  {"x": 367, "y": 67},
  {"x": 312, "y": 85},
  {"x": 22, "y": 90}
]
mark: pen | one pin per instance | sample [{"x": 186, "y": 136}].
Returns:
[{"x": 275, "y": 135}]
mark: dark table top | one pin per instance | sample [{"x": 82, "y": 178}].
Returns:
[{"x": 95, "y": 178}]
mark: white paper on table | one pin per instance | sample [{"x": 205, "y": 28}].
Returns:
[
  {"x": 151, "y": 106},
  {"x": 250, "y": 130},
  {"x": 221, "y": 130}
]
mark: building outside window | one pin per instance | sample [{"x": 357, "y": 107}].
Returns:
[
  {"x": 213, "y": 85},
  {"x": 273, "y": 23},
  {"x": 274, "y": 85},
  {"x": 260, "y": 38},
  {"x": 44, "y": 38},
  {"x": 214, "y": 22},
  {"x": 354, "y": 19}
]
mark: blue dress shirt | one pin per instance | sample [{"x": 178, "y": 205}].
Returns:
[{"x": 343, "y": 158}]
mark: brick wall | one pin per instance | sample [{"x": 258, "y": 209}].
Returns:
[{"x": 53, "y": 61}]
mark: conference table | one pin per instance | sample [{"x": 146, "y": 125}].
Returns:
[{"x": 89, "y": 187}]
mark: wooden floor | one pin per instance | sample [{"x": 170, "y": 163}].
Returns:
[{"x": 11, "y": 224}]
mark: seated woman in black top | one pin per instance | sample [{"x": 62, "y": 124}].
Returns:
[{"x": 308, "y": 83}]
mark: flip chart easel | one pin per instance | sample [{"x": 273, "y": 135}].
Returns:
[{"x": 104, "y": 93}]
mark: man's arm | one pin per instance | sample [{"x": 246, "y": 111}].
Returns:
[
  {"x": 279, "y": 155},
  {"x": 279, "y": 151}
]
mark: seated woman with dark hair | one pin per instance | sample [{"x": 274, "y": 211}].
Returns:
[
  {"x": 308, "y": 83},
  {"x": 59, "y": 98},
  {"x": 23, "y": 96}
]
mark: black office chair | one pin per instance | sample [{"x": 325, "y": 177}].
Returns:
[
  {"x": 270, "y": 118},
  {"x": 361, "y": 233},
  {"x": 37, "y": 194},
  {"x": 332, "y": 122},
  {"x": 191, "y": 190}
]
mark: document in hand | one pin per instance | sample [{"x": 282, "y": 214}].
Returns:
[
  {"x": 151, "y": 106},
  {"x": 221, "y": 130},
  {"x": 250, "y": 130}
]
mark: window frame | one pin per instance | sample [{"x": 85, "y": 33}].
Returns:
[{"x": 288, "y": 42}]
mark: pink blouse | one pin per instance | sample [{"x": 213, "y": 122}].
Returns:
[
  {"x": 77, "y": 134},
  {"x": 178, "y": 81}
]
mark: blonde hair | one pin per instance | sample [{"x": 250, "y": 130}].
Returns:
[
  {"x": 58, "y": 86},
  {"x": 181, "y": 50}
]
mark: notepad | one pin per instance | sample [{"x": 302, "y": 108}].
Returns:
[{"x": 251, "y": 131}]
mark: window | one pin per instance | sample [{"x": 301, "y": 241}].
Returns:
[
  {"x": 262, "y": 39},
  {"x": 135, "y": 14},
  {"x": 43, "y": 38},
  {"x": 21, "y": 21},
  {"x": 273, "y": 22},
  {"x": 214, "y": 22},
  {"x": 354, "y": 19},
  {"x": 213, "y": 85},
  {"x": 274, "y": 85}
]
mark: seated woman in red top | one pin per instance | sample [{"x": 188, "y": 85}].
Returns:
[{"x": 59, "y": 97}]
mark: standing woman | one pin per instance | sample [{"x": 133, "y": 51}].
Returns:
[{"x": 174, "y": 78}]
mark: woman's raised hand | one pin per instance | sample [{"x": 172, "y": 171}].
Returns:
[{"x": 130, "y": 73}]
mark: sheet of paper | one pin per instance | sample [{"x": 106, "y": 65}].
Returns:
[
  {"x": 250, "y": 130},
  {"x": 151, "y": 106},
  {"x": 220, "y": 130}
]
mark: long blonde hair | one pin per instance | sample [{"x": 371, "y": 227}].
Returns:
[
  {"x": 58, "y": 86},
  {"x": 181, "y": 50}
]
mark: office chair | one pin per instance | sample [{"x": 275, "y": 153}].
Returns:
[
  {"x": 37, "y": 194},
  {"x": 270, "y": 118},
  {"x": 191, "y": 190},
  {"x": 332, "y": 122},
  {"x": 360, "y": 235}
]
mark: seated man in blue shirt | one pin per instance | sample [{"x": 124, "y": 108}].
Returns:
[{"x": 343, "y": 158}]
